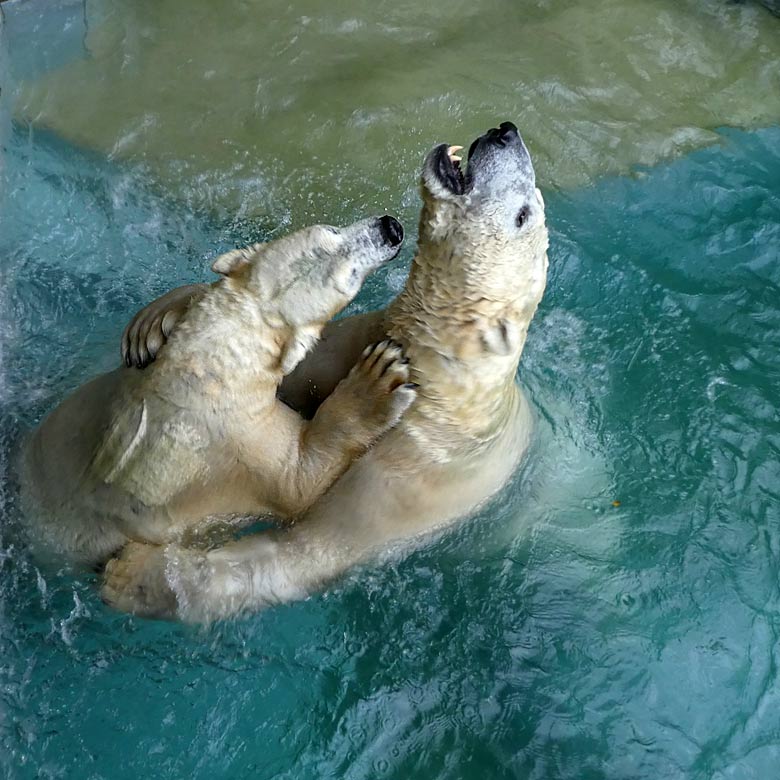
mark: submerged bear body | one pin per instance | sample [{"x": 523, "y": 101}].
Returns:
[
  {"x": 474, "y": 286},
  {"x": 151, "y": 456}
]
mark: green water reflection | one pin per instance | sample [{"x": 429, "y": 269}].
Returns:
[{"x": 300, "y": 109}]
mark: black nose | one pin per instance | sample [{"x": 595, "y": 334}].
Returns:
[
  {"x": 504, "y": 134},
  {"x": 392, "y": 230}
]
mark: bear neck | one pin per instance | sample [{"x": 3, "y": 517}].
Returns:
[
  {"x": 465, "y": 329},
  {"x": 224, "y": 341}
]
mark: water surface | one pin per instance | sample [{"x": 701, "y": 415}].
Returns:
[{"x": 554, "y": 636}]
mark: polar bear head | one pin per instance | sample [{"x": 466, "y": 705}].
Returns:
[
  {"x": 496, "y": 192},
  {"x": 299, "y": 282},
  {"x": 483, "y": 235}
]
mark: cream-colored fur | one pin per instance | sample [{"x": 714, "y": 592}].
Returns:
[
  {"x": 474, "y": 286},
  {"x": 146, "y": 456}
]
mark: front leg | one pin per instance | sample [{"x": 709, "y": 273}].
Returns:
[
  {"x": 148, "y": 330},
  {"x": 136, "y": 582},
  {"x": 340, "y": 346},
  {"x": 366, "y": 404},
  {"x": 304, "y": 389},
  {"x": 255, "y": 572},
  {"x": 175, "y": 582}
]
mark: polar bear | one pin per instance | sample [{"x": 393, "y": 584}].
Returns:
[
  {"x": 474, "y": 286},
  {"x": 150, "y": 455}
]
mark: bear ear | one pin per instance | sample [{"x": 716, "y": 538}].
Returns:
[
  {"x": 234, "y": 262},
  {"x": 296, "y": 348}
]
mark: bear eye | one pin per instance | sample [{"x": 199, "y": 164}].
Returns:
[{"x": 522, "y": 216}]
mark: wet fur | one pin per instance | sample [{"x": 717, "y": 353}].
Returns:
[
  {"x": 463, "y": 316},
  {"x": 147, "y": 456}
]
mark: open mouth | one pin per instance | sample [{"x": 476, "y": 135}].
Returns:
[{"x": 447, "y": 165}]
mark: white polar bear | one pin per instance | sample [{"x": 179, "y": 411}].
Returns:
[
  {"x": 150, "y": 455},
  {"x": 474, "y": 286}
]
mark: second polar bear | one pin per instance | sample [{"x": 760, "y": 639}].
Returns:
[
  {"x": 476, "y": 280},
  {"x": 150, "y": 455}
]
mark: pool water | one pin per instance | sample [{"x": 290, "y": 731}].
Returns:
[{"x": 612, "y": 614}]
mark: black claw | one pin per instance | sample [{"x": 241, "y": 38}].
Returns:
[
  {"x": 376, "y": 354},
  {"x": 387, "y": 366}
]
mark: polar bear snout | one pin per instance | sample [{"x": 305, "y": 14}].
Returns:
[
  {"x": 503, "y": 135},
  {"x": 497, "y": 161},
  {"x": 391, "y": 230},
  {"x": 500, "y": 158},
  {"x": 363, "y": 247}
]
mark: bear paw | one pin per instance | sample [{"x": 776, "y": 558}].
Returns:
[
  {"x": 135, "y": 582},
  {"x": 381, "y": 378},
  {"x": 149, "y": 329}
]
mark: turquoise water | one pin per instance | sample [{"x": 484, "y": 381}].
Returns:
[
  {"x": 561, "y": 637},
  {"x": 557, "y": 636}
]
